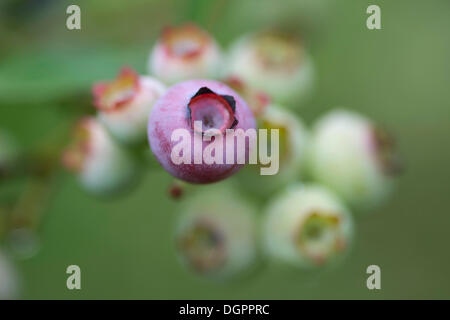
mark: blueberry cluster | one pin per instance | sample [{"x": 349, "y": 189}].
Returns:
[{"x": 341, "y": 165}]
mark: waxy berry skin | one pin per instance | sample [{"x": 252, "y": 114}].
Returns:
[
  {"x": 307, "y": 226},
  {"x": 293, "y": 144},
  {"x": 100, "y": 163},
  {"x": 124, "y": 104},
  {"x": 171, "y": 112},
  {"x": 216, "y": 234},
  {"x": 354, "y": 158},
  {"x": 292, "y": 153},
  {"x": 185, "y": 52},
  {"x": 275, "y": 63}
]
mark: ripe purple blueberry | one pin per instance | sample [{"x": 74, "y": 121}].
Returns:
[{"x": 218, "y": 108}]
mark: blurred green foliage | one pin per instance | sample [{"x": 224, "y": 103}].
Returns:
[{"x": 398, "y": 75}]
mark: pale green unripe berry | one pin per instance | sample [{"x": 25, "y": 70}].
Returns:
[
  {"x": 292, "y": 153},
  {"x": 293, "y": 141},
  {"x": 307, "y": 226},
  {"x": 185, "y": 52},
  {"x": 275, "y": 63},
  {"x": 124, "y": 104},
  {"x": 351, "y": 156},
  {"x": 216, "y": 234},
  {"x": 101, "y": 164}
]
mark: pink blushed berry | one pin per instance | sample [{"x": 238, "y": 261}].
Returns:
[
  {"x": 124, "y": 104},
  {"x": 184, "y": 52},
  {"x": 214, "y": 104}
]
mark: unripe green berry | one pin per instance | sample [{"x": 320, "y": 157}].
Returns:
[
  {"x": 353, "y": 157},
  {"x": 216, "y": 234},
  {"x": 292, "y": 153},
  {"x": 183, "y": 53},
  {"x": 273, "y": 62},
  {"x": 100, "y": 163},
  {"x": 307, "y": 226}
]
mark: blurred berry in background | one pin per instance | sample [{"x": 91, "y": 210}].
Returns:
[
  {"x": 353, "y": 157},
  {"x": 256, "y": 100},
  {"x": 293, "y": 146},
  {"x": 216, "y": 236},
  {"x": 101, "y": 165},
  {"x": 185, "y": 52},
  {"x": 307, "y": 226},
  {"x": 275, "y": 63},
  {"x": 125, "y": 103}
]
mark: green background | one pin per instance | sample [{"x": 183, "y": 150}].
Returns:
[{"x": 400, "y": 76}]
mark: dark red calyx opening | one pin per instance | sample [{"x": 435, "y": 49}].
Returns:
[{"x": 213, "y": 110}]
